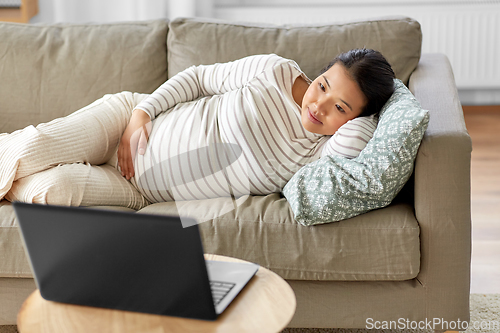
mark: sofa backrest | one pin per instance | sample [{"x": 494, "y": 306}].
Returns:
[
  {"x": 201, "y": 41},
  {"x": 49, "y": 71}
]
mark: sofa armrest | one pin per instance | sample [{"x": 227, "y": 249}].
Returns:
[{"x": 442, "y": 190}]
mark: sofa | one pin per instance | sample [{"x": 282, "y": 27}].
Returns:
[{"x": 408, "y": 261}]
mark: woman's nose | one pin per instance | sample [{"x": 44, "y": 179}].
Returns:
[{"x": 323, "y": 105}]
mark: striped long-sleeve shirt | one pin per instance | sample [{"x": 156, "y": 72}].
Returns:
[{"x": 224, "y": 129}]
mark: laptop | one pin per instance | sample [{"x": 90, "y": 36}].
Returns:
[{"x": 126, "y": 261}]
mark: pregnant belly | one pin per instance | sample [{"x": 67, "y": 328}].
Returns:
[{"x": 188, "y": 158}]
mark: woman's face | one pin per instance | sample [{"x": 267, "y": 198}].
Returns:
[{"x": 330, "y": 101}]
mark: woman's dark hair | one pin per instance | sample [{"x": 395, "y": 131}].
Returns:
[{"x": 373, "y": 74}]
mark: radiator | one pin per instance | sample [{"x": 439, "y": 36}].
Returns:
[
  {"x": 470, "y": 37},
  {"x": 468, "y": 32}
]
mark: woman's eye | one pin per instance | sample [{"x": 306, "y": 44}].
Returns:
[
  {"x": 321, "y": 86},
  {"x": 340, "y": 108}
]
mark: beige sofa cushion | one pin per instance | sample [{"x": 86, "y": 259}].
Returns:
[
  {"x": 52, "y": 70},
  {"x": 382, "y": 245},
  {"x": 13, "y": 260},
  {"x": 202, "y": 41}
]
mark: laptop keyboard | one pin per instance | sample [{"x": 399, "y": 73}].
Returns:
[{"x": 220, "y": 290}]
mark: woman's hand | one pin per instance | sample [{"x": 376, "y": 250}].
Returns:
[{"x": 134, "y": 140}]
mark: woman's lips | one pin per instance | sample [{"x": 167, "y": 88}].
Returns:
[{"x": 312, "y": 118}]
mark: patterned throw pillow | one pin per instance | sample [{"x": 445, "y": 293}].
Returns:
[{"x": 335, "y": 188}]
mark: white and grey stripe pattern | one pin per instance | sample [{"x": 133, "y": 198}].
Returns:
[
  {"x": 225, "y": 129},
  {"x": 351, "y": 138}
]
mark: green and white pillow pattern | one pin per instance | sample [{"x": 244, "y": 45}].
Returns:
[{"x": 335, "y": 188}]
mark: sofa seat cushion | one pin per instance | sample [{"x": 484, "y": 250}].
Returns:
[
  {"x": 382, "y": 245},
  {"x": 13, "y": 260}
]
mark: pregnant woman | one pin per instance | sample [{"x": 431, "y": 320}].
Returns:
[{"x": 243, "y": 127}]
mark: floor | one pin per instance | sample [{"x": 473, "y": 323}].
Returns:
[{"x": 483, "y": 124}]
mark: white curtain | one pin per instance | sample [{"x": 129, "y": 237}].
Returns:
[
  {"x": 78, "y": 11},
  {"x": 83, "y": 11}
]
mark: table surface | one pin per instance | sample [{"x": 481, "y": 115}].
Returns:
[{"x": 266, "y": 304}]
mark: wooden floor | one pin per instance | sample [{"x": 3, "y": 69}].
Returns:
[{"x": 483, "y": 124}]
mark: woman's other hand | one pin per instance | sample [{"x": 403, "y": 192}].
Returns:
[{"x": 134, "y": 140}]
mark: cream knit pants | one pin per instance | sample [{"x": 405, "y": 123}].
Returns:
[{"x": 71, "y": 160}]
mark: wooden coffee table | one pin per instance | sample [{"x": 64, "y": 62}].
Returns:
[{"x": 266, "y": 304}]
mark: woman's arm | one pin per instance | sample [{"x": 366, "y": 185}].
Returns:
[
  {"x": 351, "y": 138},
  {"x": 205, "y": 80},
  {"x": 188, "y": 85}
]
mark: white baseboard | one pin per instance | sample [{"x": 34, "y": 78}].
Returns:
[{"x": 479, "y": 96}]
